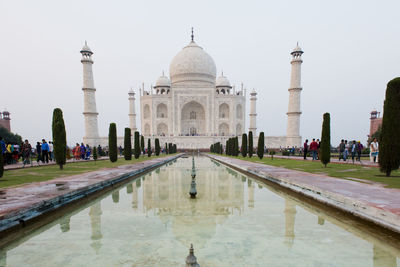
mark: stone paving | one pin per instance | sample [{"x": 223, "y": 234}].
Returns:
[
  {"x": 365, "y": 163},
  {"x": 28, "y": 201},
  {"x": 372, "y": 202},
  {"x": 34, "y": 163}
]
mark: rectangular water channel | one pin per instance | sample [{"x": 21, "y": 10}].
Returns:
[{"x": 235, "y": 221}]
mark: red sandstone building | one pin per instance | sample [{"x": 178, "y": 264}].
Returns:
[
  {"x": 5, "y": 120},
  {"x": 375, "y": 122}
]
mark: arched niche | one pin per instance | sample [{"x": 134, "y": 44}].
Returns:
[
  {"x": 193, "y": 119},
  {"x": 146, "y": 111},
  {"x": 239, "y": 111},
  {"x": 223, "y": 129},
  {"x": 162, "y": 129},
  {"x": 162, "y": 111},
  {"x": 224, "y": 111}
]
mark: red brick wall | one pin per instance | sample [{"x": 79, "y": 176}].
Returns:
[{"x": 374, "y": 125}]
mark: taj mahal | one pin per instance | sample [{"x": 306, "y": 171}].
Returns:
[{"x": 194, "y": 108}]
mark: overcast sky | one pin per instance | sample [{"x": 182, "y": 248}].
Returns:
[{"x": 352, "y": 49}]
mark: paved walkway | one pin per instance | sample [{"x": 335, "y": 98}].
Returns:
[
  {"x": 28, "y": 201},
  {"x": 366, "y": 163},
  {"x": 372, "y": 202},
  {"x": 34, "y": 163}
]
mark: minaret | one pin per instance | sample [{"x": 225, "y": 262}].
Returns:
[
  {"x": 253, "y": 112},
  {"x": 132, "y": 112},
  {"x": 293, "y": 137},
  {"x": 89, "y": 105}
]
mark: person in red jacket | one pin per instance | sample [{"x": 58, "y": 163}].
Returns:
[{"x": 314, "y": 149}]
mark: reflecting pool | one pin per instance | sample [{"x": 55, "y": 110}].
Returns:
[{"x": 234, "y": 221}]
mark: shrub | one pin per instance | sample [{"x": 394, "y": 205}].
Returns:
[
  {"x": 149, "y": 147},
  {"x": 272, "y": 153},
  {"x": 260, "y": 147},
  {"x": 137, "y": 145},
  {"x": 142, "y": 144},
  {"x": 112, "y": 143},
  {"x": 94, "y": 149},
  {"x": 244, "y": 145},
  {"x": 326, "y": 140},
  {"x": 251, "y": 148},
  {"x": 157, "y": 146},
  {"x": 59, "y": 138},
  {"x": 389, "y": 143},
  {"x": 127, "y": 144}
]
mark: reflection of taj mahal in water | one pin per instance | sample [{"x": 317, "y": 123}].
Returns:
[{"x": 193, "y": 101}]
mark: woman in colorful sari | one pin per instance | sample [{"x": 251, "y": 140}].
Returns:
[
  {"x": 77, "y": 151},
  {"x": 26, "y": 152}
]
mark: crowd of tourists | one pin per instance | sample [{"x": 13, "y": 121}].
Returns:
[
  {"x": 13, "y": 152},
  {"x": 347, "y": 150}
]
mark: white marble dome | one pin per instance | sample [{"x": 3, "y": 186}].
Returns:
[
  {"x": 222, "y": 81},
  {"x": 163, "y": 81},
  {"x": 192, "y": 64}
]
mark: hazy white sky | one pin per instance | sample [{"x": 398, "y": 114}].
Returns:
[{"x": 352, "y": 49}]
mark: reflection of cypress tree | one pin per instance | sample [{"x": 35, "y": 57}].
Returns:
[
  {"x": 129, "y": 188},
  {"x": 321, "y": 220},
  {"x": 138, "y": 183},
  {"x": 158, "y": 171},
  {"x": 243, "y": 179},
  {"x": 248, "y": 182},
  {"x": 115, "y": 196},
  {"x": 64, "y": 224}
]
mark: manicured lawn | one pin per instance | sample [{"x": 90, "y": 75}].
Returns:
[
  {"x": 344, "y": 171},
  {"x": 44, "y": 173}
]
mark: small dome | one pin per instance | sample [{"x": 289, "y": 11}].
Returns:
[
  {"x": 222, "y": 81},
  {"x": 163, "y": 81},
  {"x": 192, "y": 64},
  {"x": 86, "y": 48},
  {"x": 297, "y": 49}
]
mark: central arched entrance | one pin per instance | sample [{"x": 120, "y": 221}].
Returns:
[{"x": 193, "y": 119}]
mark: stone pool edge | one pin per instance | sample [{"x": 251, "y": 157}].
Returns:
[
  {"x": 20, "y": 217},
  {"x": 378, "y": 216}
]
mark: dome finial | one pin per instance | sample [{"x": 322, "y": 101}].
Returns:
[{"x": 192, "y": 35}]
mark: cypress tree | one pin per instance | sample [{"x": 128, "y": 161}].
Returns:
[
  {"x": 175, "y": 148},
  {"x": 251, "y": 146},
  {"x": 212, "y": 148},
  {"x": 221, "y": 149},
  {"x": 112, "y": 143},
  {"x": 170, "y": 148},
  {"x": 149, "y": 147},
  {"x": 94, "y": 153},
  {"x": 59, "y": 138},
  {"x": 142, "y": 144},
  {"x": 389, "y": 143},
  {"x": 166, "y": 149},
  {"x": 157, "y": 147},
  {"x": 127, "y": 144},
  {"x": 226, "y": 147},
  {"x": 326, "y": 140},
  {"x": 244, "y": 145},
  {"x": 137, "y": 145},
  {"x": 260, "y": 147},
  {"x": 1, "y": 163}
]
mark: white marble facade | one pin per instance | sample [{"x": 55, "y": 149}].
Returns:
[
  {"x": 194, "y": 104},
  {"x": 192, "y": 107}
]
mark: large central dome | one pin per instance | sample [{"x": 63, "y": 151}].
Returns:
[{"x": 192, "y": 64}]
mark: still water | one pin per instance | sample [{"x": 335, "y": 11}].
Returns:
[{"x": 235, "y": 221}]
